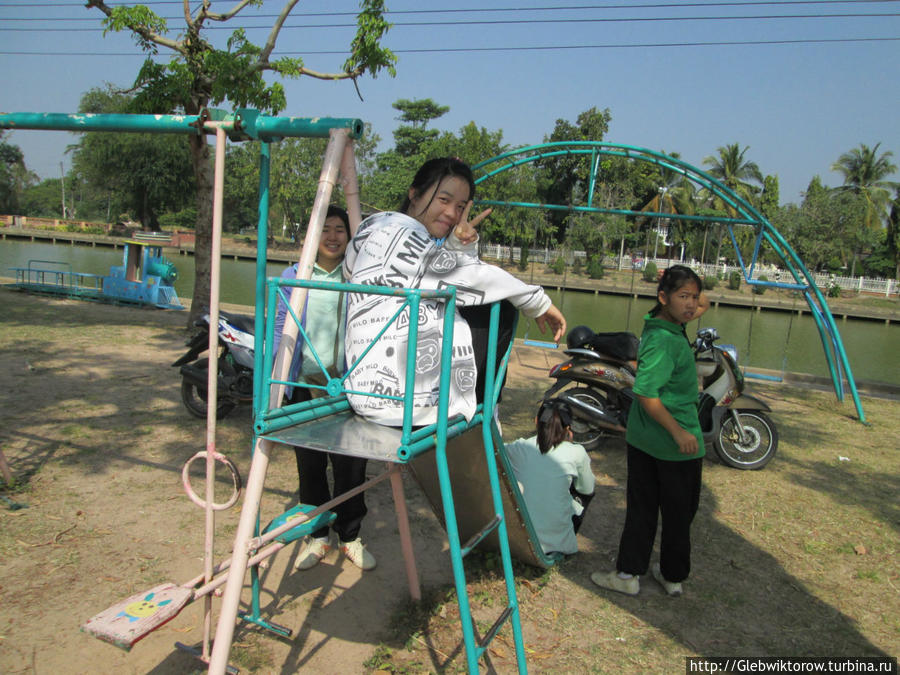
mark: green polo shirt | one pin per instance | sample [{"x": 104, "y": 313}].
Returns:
[{"x": 665, "y": 371}]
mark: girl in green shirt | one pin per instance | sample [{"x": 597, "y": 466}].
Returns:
[{"x": 665, "y": 443}]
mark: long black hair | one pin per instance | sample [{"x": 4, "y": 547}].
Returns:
[
  {"x": 672, "y": 279},
  {"x": 433, "y": 172},
  {"x": 553, "y": 421}
]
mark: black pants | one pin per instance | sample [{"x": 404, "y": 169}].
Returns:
[
  {"x": 479, "y": 319},
  {"x": 348, "y": 472},
  {"x": 655, "y": 487}
]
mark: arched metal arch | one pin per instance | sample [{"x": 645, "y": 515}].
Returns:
[{"x": 744, "y": 215}]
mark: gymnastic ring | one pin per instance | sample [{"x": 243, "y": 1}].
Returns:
[{"x": 235, "y": 479}]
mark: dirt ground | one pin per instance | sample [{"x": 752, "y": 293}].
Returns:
[{"x": 797, "y": 559}]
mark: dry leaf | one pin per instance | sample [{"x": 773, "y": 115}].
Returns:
[{"x": 860, "y": 549}]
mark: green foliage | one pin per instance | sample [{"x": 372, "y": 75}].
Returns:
[
  {"x": 595, "y": 267},
  {"x": 564, "y": 179},
  {"x": 88, "y": 229},
  {"x": 577, "y": 266},
  {"x": 757, "y": 289},
  {"x": 736, "y": 172},
  {"x": 558, "y": 266},
  {"x": 768, "y": 201},
  {"x": 866, "y": 173},
  {"x": 140, "y": 20},
  {"x": 650, "y": 272},
  {"x": 411, "y": 137},
  {"x": 827, "y": 227},
  {"x": 144, "y": 174},
  {"x": 42, "y": 200},
  {"x": 523, "y": 258},
  {"x": 881, "y": 262},
  {"x": 710, "y": 281},
  {"x": 734, "y": 281},
  {"x": 834, "y": 291},
  {"x": 585, "y": 232},
  {"x": 179, "y": 220},
  {"x": 366, "y": 53},
  {"x": 14, "y": 177}
]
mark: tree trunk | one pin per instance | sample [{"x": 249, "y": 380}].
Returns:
[{"x": 203, "y": 175}]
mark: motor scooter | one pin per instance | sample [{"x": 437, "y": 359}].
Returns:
[
  {"x": 235, "y": 365},
  {"x": 598, "y": 380}
]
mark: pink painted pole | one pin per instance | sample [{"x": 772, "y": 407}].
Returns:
[
  {"x": 350, "y": 185},
  {"x": 212, "y": 380},
  {"x": 260, "y": 463},
  {"x": 412, "y": 574},
  {"x": 327, "y": 179}
]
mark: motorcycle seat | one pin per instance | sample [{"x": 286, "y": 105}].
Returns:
[{"x": 241, "y": 321}]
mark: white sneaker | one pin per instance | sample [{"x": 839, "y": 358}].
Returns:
[
  {"x": 614, "y": 582},
  {"x": 312, "y": 552},
  {"x": 358, "y": 555},
  {"x": 672, "y": 588}
]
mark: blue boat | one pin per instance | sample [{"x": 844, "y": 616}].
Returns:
[{"x": 145, "y": 278}]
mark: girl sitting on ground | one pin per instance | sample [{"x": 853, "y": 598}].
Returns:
[{"x": 554, "y": 476}]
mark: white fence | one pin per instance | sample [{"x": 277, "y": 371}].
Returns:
[{"x": 545, "y": 256}]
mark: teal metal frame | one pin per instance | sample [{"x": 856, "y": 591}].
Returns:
[
  {"x": 747, "y": 216},
  {"x": 414, "y": 442},
  {"x": 245, "y": 124}
]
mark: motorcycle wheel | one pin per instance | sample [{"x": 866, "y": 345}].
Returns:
[
  {"x": 760, "y": 447},
  {"x": 583, "y": 432},
  {"x": 194, "y": 397}
]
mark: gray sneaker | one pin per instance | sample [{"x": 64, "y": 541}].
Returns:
[
  {"x": 613, "y": 582},
  {"x": 672, "y": 588},
  {"x": 312, "y": 552}
]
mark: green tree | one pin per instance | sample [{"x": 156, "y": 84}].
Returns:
[
  {"x": 768, "y": 200},
  {"x": 563, "y": 180},
  {"x": 825, "y": 229},
  {"x": 411, "y": 138},
  {"x": 892, "y": 238},
  {"x": 739, "y": 174},
  {"x": 240, "y": 203},
  {"x": 201, "y": 75},
  {"x": 141, "y": 174},
  {"x": 15, "y": 178},
  {"x": 865, "y": 173},
  {"x": 43, "y": 199}
]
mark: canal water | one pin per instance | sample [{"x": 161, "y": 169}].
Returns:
[{"x": 775, "y": 340}]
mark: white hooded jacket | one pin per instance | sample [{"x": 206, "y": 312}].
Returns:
[{"x": 395, "y": 250}]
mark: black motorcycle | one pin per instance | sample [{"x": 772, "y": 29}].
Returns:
[
  {"x": 597, "y": 382},
  {"x": 235, "y": 365}
]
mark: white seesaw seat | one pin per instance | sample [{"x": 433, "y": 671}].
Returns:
[{"x": 126, "y": 622}]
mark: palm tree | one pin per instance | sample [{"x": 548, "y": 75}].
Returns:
[
  {"x": 865, "y": 174},
  {"x": 674, "y": 194},
  {"x": 736, "y": 172}
]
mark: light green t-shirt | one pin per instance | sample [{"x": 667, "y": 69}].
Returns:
[
  {"x": 322, "y": 324},
  {"x": 665, "y": 371}
]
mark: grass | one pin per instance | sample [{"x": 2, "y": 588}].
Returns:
[
  {"x": 803, "y": 549},
  {"x": 797, "y": 559}
]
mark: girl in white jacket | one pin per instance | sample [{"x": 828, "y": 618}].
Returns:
[{"x": 430, "y": 244}]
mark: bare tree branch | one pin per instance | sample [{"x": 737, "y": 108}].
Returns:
[
  {"x": 227, "y": 15},
  {"x": 276, "y": 28}
]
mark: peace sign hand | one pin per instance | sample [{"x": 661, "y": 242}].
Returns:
[{"x": 465, "y": 229}]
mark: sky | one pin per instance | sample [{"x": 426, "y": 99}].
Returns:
[{"x": 796, "y": 82}]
